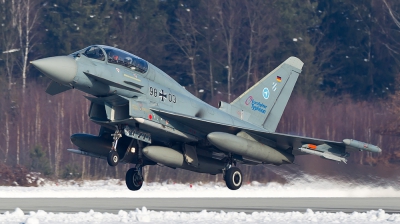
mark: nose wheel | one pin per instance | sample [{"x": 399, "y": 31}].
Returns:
[
  {"x": 233, "y": 178},
  {"x": 134, "y": 178},
  {"x": 113, "y": 157}
]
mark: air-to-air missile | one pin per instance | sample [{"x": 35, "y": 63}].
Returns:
[
  {"x": 362, "y": 145},
  {"x": 249, "y": 149},
  {"x": 333, "y": 153},
  {"x": 324, "y": 153}
]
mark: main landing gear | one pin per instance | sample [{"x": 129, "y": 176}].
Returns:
[
  {"x": 233, "y": 176},
  {"x": 113, "y": 157},
  {"x": 134, "y": 178}
]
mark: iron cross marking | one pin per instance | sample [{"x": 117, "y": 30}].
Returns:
[{"x": 162, "y": 95}]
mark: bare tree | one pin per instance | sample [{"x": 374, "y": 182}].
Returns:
[
  {"x": 210, "y": 44},
  {"x": 57, "y": 156},
  {"x": 9, "y": 40},
  {"x": 392, "y": 14},
  {"x": 7, "y": 137},
  {"x": 229, "y": 18},
  {"x": 124, "y": 25},
  {"x": 27, "y": 14},
  {"x": 186, "y": 38},
  {"x": 392, "y": 43},
  {"x": 261, "y": 37}
]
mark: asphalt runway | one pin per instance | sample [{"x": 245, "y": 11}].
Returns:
[{"x": 248, "y": 205}]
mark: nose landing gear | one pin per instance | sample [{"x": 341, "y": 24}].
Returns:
[{"x": 113, "y": 157}]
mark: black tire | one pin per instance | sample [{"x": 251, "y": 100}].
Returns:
[
  {"x": 133, "y": 180},
  {"x": 233, "y": 178},
  {"x": 112, "y": 158}
]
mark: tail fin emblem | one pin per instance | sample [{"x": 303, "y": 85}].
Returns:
[
  {"x": 249, "y": 100},
  {"x": 274, "y": 84},
  {"x": 266, "y": 93}
]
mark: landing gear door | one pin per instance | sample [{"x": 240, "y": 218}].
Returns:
[{"x": 191, "y": 155}]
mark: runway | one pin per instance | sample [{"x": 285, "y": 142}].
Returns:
[{"x": 248, "y": 205}]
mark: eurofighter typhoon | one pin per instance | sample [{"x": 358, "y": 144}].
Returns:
[{"x": 147, "y": 118}]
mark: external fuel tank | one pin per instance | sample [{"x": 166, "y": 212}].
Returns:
[
  {"x": 175, "y": 158},
  {"x": 249, "y": 149}
]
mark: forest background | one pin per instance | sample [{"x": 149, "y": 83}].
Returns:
[{"x": 349, "y": 87}]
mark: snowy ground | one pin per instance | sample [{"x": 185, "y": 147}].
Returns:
[
  {"x": 305, "y": 187},
  {"x": 143, "y": 215}
]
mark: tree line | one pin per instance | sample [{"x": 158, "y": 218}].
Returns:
[
  {"x": 217, "y": 47},
  {"x": 37, "y": 134},
  {"x": 217, "y": 50}
]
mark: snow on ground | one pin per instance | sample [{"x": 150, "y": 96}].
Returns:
[
  {"x": 306, "y": 187},
  {"x": 144, "y": 215}
]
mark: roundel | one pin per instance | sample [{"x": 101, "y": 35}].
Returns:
[{"x": 265, "y": 93}]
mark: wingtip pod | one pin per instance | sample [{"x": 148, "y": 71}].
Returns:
[
  {"x": 295, "y": 62},
  {"x": 362, "y": 145}
]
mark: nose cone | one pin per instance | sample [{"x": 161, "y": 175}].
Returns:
[{"x": 61, "y": 69}]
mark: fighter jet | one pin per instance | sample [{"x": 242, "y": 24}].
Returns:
[{"x": 147, "y": 118}]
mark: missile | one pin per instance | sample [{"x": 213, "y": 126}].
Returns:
[
  {"x": 174, "y": 158},
  {"x": 325, "y": 155},
  {"x": 249, "y": 149},
  {"x": 362, "y": 145}
]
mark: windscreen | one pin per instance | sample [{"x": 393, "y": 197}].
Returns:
[{"x": 126, "y": 59}]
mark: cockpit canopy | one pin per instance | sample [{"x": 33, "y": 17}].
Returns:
[
  {"x": 94, "y": 52},
  {"x": 116, "y": 56}
]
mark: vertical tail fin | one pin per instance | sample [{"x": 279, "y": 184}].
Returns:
[{"x": 264, "y": 103}]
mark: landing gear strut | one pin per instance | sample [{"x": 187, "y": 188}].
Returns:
[
  {"x": 233, "y": 176},
  {"x": 113, "y": 157},
  {"x": 134, "y": 178}
]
